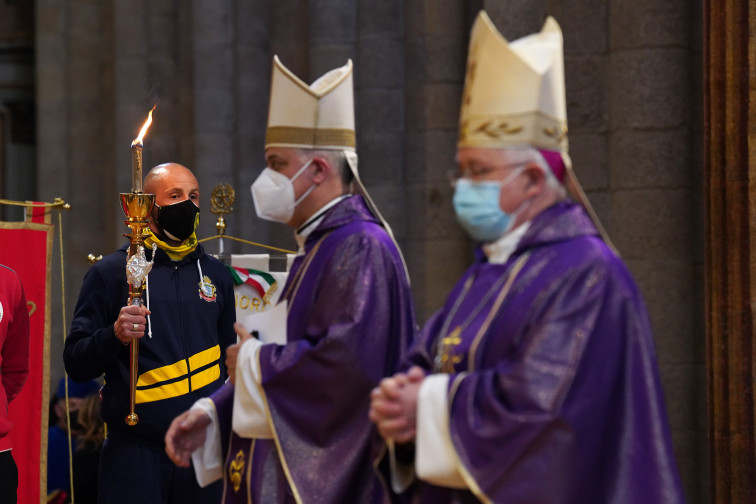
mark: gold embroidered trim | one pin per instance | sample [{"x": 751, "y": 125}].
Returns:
[
  {"x": 277, "y": 440},
  {"x": 310, "y": 136},
  {"x": 535, "y": 129},
  {"x": 495, "y": 309},
  {"x": 293, "y": 287},
  {"x": 235, "y": 470},
  {"x": 464, "y": 472}
]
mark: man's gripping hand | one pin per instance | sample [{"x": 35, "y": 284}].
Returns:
[{"x": 131, "y": 323}]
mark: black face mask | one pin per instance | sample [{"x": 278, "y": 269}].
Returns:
[{"x": 177, "y": 221}]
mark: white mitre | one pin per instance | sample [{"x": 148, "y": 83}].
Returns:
[
  {"x": 318, "y": 116},
  {"x": 515, "y": 95},
  {"x": 514, "y": 91}
]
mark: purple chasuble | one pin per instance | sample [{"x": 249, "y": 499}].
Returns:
[
  {"x": 350, "y": 322},
  {"x": 554, "y": 393}
]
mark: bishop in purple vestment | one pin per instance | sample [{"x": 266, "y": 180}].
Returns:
[
  {"x": 293, "y": 428},
  {"x": 349, "y": 320},
  {"x": 537, "y": 381}
]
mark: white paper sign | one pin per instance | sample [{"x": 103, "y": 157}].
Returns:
[{"x": 269, "y": 324}]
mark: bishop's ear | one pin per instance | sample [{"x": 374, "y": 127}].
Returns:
[
  {"x": 536, "y": 179},
  {"x": 322, "y": 170}
]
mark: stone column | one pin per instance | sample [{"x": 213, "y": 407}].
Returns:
[
  {"x": 130, "y": 104},
  {"x": 214, "y": 99},
  {"x": 253, "y": 63},
  {"x": 332, "y": 34},
  {"x": 437, "y": 250},
  {"x": 379, "y": 79},
  {"x": 516, "y": 18},
  {"x": 586, "y": 59},
  {"x": 75, "y": 81},
  {"x": 52, "y": 141},
  {"x": 52, "y": 105},
  {"x": 653, "y": 183},
  {"x": 288, "y": 37}
]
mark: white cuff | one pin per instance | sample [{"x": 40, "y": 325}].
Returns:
[
  {"x": 208, "y": 458},
  {"x": 435, "y": 455},
  {"x": 402, "y": 475},
  {"x": 250, "y": 417}
]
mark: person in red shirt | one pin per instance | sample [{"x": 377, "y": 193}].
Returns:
[{"x": 14, "y": 367}]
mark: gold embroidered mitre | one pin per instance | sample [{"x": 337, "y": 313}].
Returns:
[
  {"x": 514, "y": 91},
  {"x": 318, "y": 116}
]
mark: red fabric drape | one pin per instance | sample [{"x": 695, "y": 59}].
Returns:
[{"x": 25, "y": 247}]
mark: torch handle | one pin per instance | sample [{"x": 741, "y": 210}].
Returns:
[
  {"x": 137, "y": 207},
  {"x": 132, "y": 417}
]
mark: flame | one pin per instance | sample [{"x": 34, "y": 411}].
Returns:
[{"x": 138, "y": 140}]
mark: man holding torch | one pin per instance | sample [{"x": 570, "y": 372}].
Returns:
[{"x": 187, "y": 316}]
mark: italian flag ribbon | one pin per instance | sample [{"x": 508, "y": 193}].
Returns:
[{"x": 262, "y": 282}]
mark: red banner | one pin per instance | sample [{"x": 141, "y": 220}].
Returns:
[{"x": 25, "y": 247}]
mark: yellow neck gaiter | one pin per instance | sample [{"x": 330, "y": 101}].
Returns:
[{"x": 177, "y": 252}]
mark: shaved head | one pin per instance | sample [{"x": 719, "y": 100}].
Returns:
[{"x": 167, "y": 173}]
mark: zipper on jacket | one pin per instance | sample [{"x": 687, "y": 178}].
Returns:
[{"x": 182, "y": 336}]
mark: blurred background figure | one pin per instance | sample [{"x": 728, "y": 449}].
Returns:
[
  {"x": 58, "y": 462},
  {"x": 86, "y": 459}
]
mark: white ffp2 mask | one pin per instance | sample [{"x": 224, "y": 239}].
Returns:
[{"x": 273, "y": 194}]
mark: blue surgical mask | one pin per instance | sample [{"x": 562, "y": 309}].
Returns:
[{"x": 477, "y": 207}]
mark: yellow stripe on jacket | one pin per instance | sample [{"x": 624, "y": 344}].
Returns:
[{"x": 184, "y": 376}]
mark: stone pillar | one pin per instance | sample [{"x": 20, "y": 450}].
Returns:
[
  {"x": 51, "y": 95},
  {"x": 436, "y": 249},
  {"x": 332, "y": 34},
  {"x": 213, "y": 58},
  {"x": 253, "y": 63},
  {"x": 653, "y": 183},
  {"x": 516, "y": 18},
  {"x": 379, "y": 79},
  {"x": 586, "y": 59},
  {"x": 288, "y": 37},
  {"x": 17, "y": 122},
  {"x": 52, "y": 140},
  {"x": 74, "y": 78},
  {"x": 131, "y": 105}
]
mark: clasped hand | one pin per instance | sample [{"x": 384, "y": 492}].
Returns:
[{"x": 393, "y": 405}]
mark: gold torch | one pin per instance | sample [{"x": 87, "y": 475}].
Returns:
[{"x": 137, "y": 207}]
